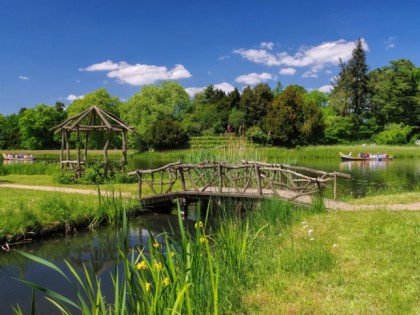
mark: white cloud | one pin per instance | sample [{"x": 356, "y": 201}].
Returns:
[
  {"x": 259, "y": 56},
  {"x": 72, "y": 97},
  {"x": 225, "y": 87},
  {"x": 316, "y": 57},
  {"x": 22, "y": 77},
  {"x": 194, "y": 90},
  {"x": 221, "y": 58},
  {"x": 139, "y": 74},
  {"x": 287, "y": 71},
  {"x": 390, "y": 42},
  {"x": 103, "y": 66},
  {"x": 326, "y": 88},
  {"x": 310, "y": 74},
  {"x": 267, "y": 45},
  {"x": 254, "y": 78}
]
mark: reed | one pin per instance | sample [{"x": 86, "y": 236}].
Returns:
[{"x": 171, "y": 277}]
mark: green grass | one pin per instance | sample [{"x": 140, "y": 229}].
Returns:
[
  {"x": 276, "y": 259},
  {"x": 28, "y": 213},
  {"x": 339, "y": 263}
]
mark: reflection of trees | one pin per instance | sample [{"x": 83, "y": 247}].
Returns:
[{"x": 97, "y": 248}]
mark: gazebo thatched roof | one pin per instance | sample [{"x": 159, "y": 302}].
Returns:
[{"x": 92, "y": 119}]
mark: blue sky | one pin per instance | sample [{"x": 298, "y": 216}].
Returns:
[{"x": 60, "y": 50}]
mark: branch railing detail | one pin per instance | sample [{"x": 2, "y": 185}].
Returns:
[{"x": 246, "y": 178}]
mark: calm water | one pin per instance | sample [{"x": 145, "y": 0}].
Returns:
[
  {"x": 95, "y": 248},
  {"x": 98, "y": 247}
]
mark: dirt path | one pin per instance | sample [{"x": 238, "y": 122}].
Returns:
[
  {"x": 61, "y": 189},
  {"x": 329, "y": 204}
]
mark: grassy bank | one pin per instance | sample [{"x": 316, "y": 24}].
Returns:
[
  {"x": 277, "y": 259},
  {"x": 339, "y": 263},
  {"x": 27, "y": 213}
]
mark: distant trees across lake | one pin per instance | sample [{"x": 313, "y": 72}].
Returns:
[{"x": 380, "y": 105}]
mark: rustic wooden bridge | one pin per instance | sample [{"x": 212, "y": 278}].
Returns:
[{"x": 245, "y": 180}]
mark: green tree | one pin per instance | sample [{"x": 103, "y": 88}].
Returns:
[
  {"x": 350, "y": 94},
  {"x": 255, "y": 103},
  {"x": 9, "y": 132},
  {"x": 396, "y": 93},
  {"x": 155, "y": 103},
  {"x": 166, "y": 134},
  {"x": 100, "y": 98},
  {"x": 293, "y": 119},
  {"x": 34, "y": 125}
]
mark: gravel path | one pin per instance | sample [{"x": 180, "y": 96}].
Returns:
[
  {"x": 329, "y": 204},
  {"x": 61, "y": 189}
]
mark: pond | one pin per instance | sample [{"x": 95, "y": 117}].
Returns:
[{"x": 94, "y": 248}]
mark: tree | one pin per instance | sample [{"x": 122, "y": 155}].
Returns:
[
  {"x": 396, "y": 93},
  {"x": 9, "y": 132},
  {"x": 351, "y": 87},
  {"x": 100, "y": 98},
  {"x": 34, "y": 125},
  {"x": 166, "y": 134},
  {"x": 255, "y": 103},
  {"x": 293, "y": 120},
  {"x": 154, "y": 103}
]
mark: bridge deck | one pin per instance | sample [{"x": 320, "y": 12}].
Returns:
[{"x": 214, "y": 192}]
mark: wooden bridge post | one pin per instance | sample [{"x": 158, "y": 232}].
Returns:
[
  {"x": 335, "y": 185},
  {"x": 258, "y": 176},
  {"x": 181, "y": 173},
  {"x": 219, "y": 169},
  {"x": 140, "y": 179}
]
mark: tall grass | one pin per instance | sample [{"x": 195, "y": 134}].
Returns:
[
  {"x": 173, "y": 277},
  {"x": 35, "y": 168}
]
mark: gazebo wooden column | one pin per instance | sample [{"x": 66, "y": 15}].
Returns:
[{"x": 92, "y": 119}]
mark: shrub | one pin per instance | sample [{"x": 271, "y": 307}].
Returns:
[
  {"x": 394, "y": 134},
  {"x": 256, "y": 135}
]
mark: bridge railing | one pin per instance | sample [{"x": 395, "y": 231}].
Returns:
[{"x": 246, "y": 178}]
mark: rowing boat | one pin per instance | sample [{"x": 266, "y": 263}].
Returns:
[
  {"x": 366, "y": 157},
  {"x": 18, "y": 157}
]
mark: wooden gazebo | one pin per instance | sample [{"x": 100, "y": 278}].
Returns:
[{"x": 90, "y": 120}]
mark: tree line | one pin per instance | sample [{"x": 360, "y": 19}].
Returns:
[{"x": 380, "y": 105}]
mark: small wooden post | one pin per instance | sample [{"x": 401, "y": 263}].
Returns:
[
  {"x": 258, "y": 177},
  {"x": 86, "y": 147},
  {"x": 181, "y": 173},
  {"x": 62, "y": 149},
  {"x": 219, "y": 170},
  {"x": 78, "y": 153},
  {"x": 124, "y": 144},
  {"x": 335, "y": 185},
  {"x": 139, "y": 178},
  {"x": 66, "y": 134}
]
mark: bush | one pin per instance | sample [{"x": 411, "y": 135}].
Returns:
[
  {"x": 166, "y": 134},
  {"x": 394, "y": 134},
  {"x": 256, "y": 135}
]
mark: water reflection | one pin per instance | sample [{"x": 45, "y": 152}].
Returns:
[
  {"x": 364, "y": 165},
  {"x": 96, "y": 249}
]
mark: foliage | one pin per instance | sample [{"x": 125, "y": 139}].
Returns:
[
  {"x": 34, "y": 125},
  {"x": 293, "y": 120},
  {"x": 100, "y": 98},
  {"x": 395, "y": 93},
  {"x": 394, "y": 134},
  {"x": 351, "y": 87},
  {"x": 153, "y": 104},
  {"x": 256, "y": 135},
  {"x": 165, "y": 134}
]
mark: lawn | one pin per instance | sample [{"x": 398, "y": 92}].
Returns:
[{"x": 363, "y": 262}]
